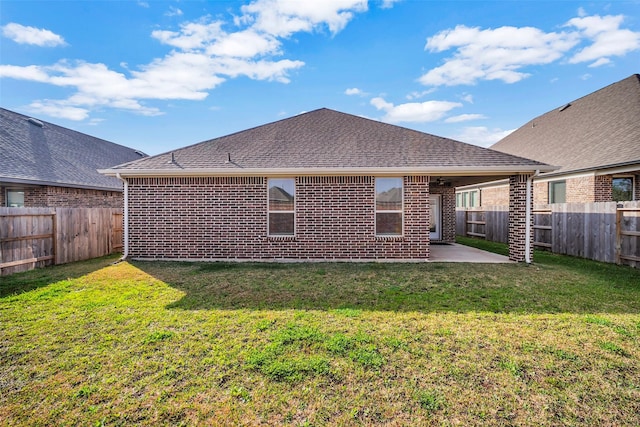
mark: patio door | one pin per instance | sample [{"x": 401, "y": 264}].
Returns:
[{"x": 435, "y": 216}]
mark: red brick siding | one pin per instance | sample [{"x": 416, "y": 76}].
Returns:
[
  {"x": 3, "y": 196},
  {"x": 72, "y": 198},
  {"x": 226, "y": 218},
  {"x": 636, "y": 183},
  {"x": 448, "y": 212},
  {"x": 66, "y": 197},
  {"x": 517, "y": 218}
]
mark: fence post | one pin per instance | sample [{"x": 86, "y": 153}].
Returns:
[{"x": 619, "y": 214}]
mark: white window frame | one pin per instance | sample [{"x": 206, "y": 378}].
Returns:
[
  {"x": 269, "y": 211},
  {"x": 377, "y": 211}
]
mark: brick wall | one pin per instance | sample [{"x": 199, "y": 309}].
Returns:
[
  {"x": 637, "y": 187},
  {"x": 495, "y": 196},
  {"x": 226, "y": 218},
  {"x": 71, "y": 198},
  {"x": 3, "y": 195},
  {"x": 448, "y": 212},
  {"x": 517, "y": 218},
  {"x": 540, "y": 193}
]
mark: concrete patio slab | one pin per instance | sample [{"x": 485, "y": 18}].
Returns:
[{"x": 454, "y": 252}]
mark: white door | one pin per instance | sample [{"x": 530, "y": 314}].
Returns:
[{"x": 435, "y": 216}]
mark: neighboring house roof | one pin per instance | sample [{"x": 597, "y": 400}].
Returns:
[
  {"x": 39, "y": 152},
  {"x": 327, "y": 142},
  {"x": 597, "y": 131}
]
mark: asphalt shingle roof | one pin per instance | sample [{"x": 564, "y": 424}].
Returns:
[
  {"x": 599, "y": 129},
  {"x": 39, "y": 152},
  {"x": 326, "y": 138}
]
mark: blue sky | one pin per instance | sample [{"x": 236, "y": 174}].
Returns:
[{"x": 157, "y": 75}]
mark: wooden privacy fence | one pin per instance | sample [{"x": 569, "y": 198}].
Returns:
[
  {"x": 36, "y": 237},
  {"x": 608, "y": 232}
]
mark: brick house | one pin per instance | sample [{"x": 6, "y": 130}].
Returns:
[
  {"x": 322, "y": 185},
  {"x": 45, "y": 165},
  {"x": 596, "y": 142}
]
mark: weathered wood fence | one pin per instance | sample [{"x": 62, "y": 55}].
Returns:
[
  {"x": 608, "y": 232},
  {"x": 36, "y": 237}
]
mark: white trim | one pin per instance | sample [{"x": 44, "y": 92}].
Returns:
[
  {"x": 125, "y": 250},
  {"x": 292, "y": 172},
  {"x": 376, "y": 211},
  {"x": 269, "y": 211},
  {"x": 436, "y": 235}
]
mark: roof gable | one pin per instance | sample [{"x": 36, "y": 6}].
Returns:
[
  {"x": 599, "y": 129},
  {"x": 325, "y": 139},
  {"x": 39, "y": 152}
]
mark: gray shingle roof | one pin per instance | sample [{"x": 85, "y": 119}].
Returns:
[
  {"x": 327, "y": 139},
  {"x": 600, "y": 129},
  {"x": 38, "y": 152}
]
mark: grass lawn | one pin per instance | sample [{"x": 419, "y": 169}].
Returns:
[{"x": 91, "y": 343}]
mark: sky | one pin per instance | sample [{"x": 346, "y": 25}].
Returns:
[{"x": 159, "y": 75}]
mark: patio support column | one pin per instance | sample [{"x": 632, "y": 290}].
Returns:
[{"x": 518, "y": 218}]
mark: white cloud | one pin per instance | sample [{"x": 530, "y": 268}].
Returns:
[
  {"x": 607, "y": 37},
  {"x": 465, "y": 118},
  {"x": 468, "y": 98},
  {"x": 54, "y": 109},
  {"x": 173, "y": 11},
  {"x": 493, "y": 54},
  {"x": 387, "y": 4},
  {"x": 31, "y": 35},
  {"x": 281, "y": 18},
  {"x": 354, "y": 91},
  {"x": 505, "y": 53},
  {"x": 481, "y": 135},
  {"x": 204, "y": 55},
  {"x": 417, "y": 95},
  {"x": 417, "y": 112}
]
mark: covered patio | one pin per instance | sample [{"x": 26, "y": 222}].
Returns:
[{"x": 455, "y": 252}]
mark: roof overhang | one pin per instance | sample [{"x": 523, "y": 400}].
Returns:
[
  {"x": 30, "y": 182},
  {"x": 443, "y": 171}
]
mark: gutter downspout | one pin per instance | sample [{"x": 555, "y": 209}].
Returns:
[
  {"x": 125, "y": 249},
  {"x": 528, "y": 213}
]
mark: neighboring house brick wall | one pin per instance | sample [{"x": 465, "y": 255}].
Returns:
[
  {"x": 448, "y": 212},
  {"x": 637, "y": 189},
  {"x": 3, "y": 195},
  {"x": 65, "y": 197},
  {"x": 603, "y": 188},
  {"x": 495, "y": 196},
  {"x": 226, "y": 218},
  {"x": 540, "y": 193}
]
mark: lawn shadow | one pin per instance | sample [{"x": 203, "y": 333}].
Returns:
[
  {"x": 424, "y": 287},
  {"x": 18, "y": 283}
]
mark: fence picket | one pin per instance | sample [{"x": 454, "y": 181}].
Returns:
[
  {"x": 35, "y": 237},
  {"x": 595, "y": 231}
]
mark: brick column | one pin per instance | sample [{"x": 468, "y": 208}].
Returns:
[{"x": 517, "y": 218}]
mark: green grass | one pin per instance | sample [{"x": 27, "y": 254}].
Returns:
[{"x": 553, "y": 343}]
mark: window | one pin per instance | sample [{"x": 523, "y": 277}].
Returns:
[
  {"x": 388, "y": 206},
  {"x": 281, "y": 207},
  {"x": 15, "y": 198},
  {"x": 468, "y": 199},
  {"x": 622, "y": 190},
  {"x": 557, "y": 192}
]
